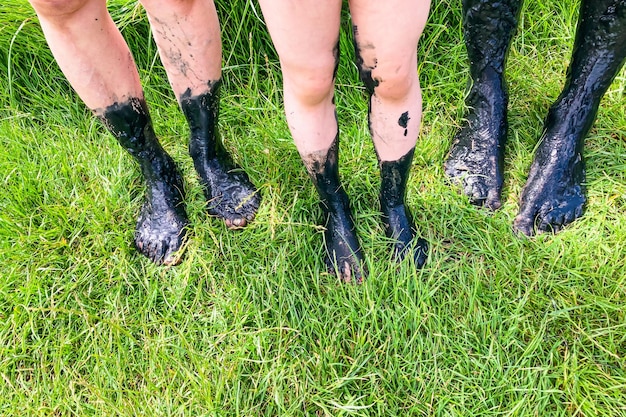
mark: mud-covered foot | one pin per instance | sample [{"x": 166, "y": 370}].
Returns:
[
  {"x": 229, "y": 193},
  {"x": 343, "y": 256},
  {"x": 162, "y": 222},
  {"x": 399, "y": 228},
  {"x": 476, "y": 158},
  {"x": 554, "y": 194}
]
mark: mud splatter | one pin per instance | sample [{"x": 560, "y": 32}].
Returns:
[{"x": 403, "y": 121}]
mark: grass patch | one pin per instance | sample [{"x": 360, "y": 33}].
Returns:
[{"x": 249, "y": 323}]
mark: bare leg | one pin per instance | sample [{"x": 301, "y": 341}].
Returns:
[
  {"x": 387, "y": 61},
  {"x": 188, "y": 37},
  {"x": 97, "y": 62},
  {"x": 554, "y": 195},
  {"x": 306, "y": 35},
  {"x": 477, "y": 154}
]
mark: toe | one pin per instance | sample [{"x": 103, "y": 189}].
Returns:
[
  {"x": 559, "y": 220},
  {"x": 569, "y": 217},
  {"x": 172, "y": 258},
  {"x": 151, "y": 252},
  {"x": 579, "y": 212},
  {"x": 524, "y": 224},
  {"x": 173, "y": 253},
  {"x": 346, "y": 272},
  {"x": 236, "y": 223},
  {"x": 476, "y": 191},
  {"x": 493, "y": 200},
  {"x": 551, "y": 221}
]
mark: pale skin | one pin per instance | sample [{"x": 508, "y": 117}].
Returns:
[
  {"x": 98, "y": 63},
  {"x": 305, "y": 34}
]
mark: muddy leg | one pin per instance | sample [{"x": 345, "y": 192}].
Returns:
[
  {"x": 306, "y": 36},
  {"x": 227, "y": 188},
  {"x": 187, "y": 34},
  {"x": 554, "y": 194},
  {"x": 343, "y": 252},
  {"x": 162, "y": 222},
  {"x": 476, "y": 158},
  {"x": 396, "y": 218},
  {"x": 386, "y": 56}
]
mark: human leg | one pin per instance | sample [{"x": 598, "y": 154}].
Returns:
[
  {"x": 387, "y": 61},
  {"x": 554, "y": 195},
  {"x": 187, "y": 34},
  {"x": 476, "y": 157},
  {"x": 98, "y": 64},
  {"x": 306, "y": 36}
]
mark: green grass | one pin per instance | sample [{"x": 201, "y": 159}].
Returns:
[{"x": 250, "y": 324}]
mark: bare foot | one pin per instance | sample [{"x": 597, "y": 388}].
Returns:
[
  {"x": 161, "y": 226},
  {"x": 399, "y": 227},
  {"x": 477, "y": 155},
  {"x": 162, "y": 222},
  {"x": 554, "y": 195},
  {"x": 229, "y": 193},
  {"x": 228, "y": 190},
  {"x": 343, "y": 256}
]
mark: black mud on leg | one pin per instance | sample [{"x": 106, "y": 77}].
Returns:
[
  {"x": 161, "y": 226},
  {"x": 396, "y": 218},
  {"x": 227, "y": 188},
  {"x": 343, "y": 252},
  {"x": 476, "y": 158},
  {"x": 365, "y": 70},
  {"x": 554, "y": 194}
]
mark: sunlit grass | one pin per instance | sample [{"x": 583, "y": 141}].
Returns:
[{"x": 249, "y": 323}]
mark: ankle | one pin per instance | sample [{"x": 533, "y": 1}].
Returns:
[
  {"x": 336, "y": 202},
  {"x": 202, "y": 113}
]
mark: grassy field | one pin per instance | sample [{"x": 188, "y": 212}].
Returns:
[{"x": 250, "y": 324}]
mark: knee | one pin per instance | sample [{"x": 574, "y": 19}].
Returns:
[
  {"x": 54, "y": 9},
  {"x": 393, "y": 84},
  {"x": 309, "y": 86}
]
